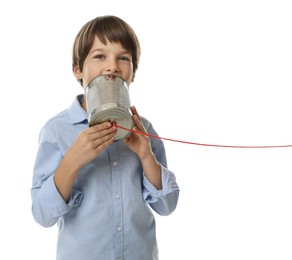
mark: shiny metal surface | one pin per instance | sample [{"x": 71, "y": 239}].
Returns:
[{"x": 107, "y": 99}]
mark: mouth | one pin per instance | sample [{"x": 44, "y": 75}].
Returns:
[{"x": 111, "y": 76}]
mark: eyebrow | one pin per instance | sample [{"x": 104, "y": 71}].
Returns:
[
  {"x": 100, "y": 49},
  {"x": 94, "y": 50}
]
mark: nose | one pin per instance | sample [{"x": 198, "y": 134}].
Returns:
[{"x": 112, "y": 66}]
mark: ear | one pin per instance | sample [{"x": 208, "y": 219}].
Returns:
[
  {"x": 133, "y": 77},
  {"x": 77, "y": 73}
]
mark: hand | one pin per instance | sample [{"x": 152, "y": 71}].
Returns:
[
  {"x": 90, "y": 143},
  {"x": 138, "y": 143}
]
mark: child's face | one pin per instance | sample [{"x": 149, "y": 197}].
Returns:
[{"x": 102, "y": 59}]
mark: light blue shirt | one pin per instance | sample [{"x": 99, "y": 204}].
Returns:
[{"x": 109, "y": 214}]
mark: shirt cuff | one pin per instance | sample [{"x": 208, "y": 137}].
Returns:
[
  {"x": 169, "y": 184},
  {"x": 54, "y": 202}
]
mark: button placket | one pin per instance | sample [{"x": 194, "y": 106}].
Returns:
[
  {"x": 117, "y": 201},
  {"x": 115, "y": 163}
]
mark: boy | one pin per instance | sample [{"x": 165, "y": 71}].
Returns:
[{"x": 99, "y": 191}]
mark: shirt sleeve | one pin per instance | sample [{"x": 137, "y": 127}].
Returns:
[
  {"x": 162, "y": 201},
  {"x": 47, "y": 204}
]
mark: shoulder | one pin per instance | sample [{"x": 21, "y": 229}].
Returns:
[
  {"x": 57, "y": 119},
  {"x": 53, "y": 126},
  {"x": 155, "y": 140},
  {"x": 148, "y": 125},
  {"x": 145, "y": 122},
  {"x": 73, "y": 115}
]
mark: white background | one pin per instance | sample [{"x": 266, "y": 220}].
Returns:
[{"x": 215, "y": 72}]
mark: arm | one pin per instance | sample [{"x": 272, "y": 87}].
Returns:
[
  {"x": 160, "y": 187},
  {"x": 88, "y": 145},
  {"x": 53, "y": 192},
  {"x": 141, "y": 145}
]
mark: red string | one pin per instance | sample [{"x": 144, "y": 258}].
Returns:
[{"x": 201, "y": 144}]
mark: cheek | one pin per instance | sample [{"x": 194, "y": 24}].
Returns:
[
  {"x": 89, "y": 75},
  {"x": 128, "y": 74}
]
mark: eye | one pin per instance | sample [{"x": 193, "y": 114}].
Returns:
[
  {"x": 124, "y": 58},
  {"x": 99, "y": 56}
]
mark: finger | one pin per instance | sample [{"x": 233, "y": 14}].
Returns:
[
  {"x": 138, "y": 124},
  {"x": 104, "y": 142},
  {"x": 97, "y": 139},
  {"x": 135, "y": 112},
  {"x": 99, "y": 127},
  {"x": 98, "y": 131}
]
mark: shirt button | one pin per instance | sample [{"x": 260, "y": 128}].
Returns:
[
  {"x": 119, "y": 228},
  {"x": 77, "y": 200},
  {"x": 118, "y": 196},
  {"x": 115, "y": 163}
]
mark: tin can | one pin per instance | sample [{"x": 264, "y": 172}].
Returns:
[{"x": 108, "y": 100}]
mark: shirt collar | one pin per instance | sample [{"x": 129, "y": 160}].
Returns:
[{"x": 76, "y": 112}]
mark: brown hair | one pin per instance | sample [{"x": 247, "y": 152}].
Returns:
[{"x": 110, "y": 28}]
